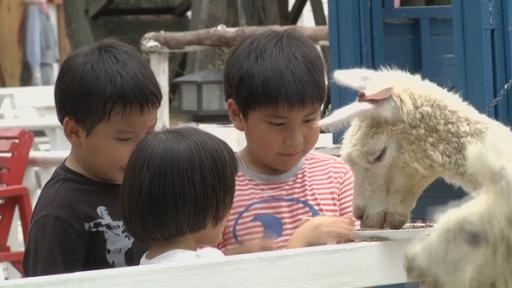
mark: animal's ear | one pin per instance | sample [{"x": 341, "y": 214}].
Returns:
[
  {"x": 369, "y": 83},
  {"x": 372, "y": 94},
  {"x": 342, "y": 117},
  {"x": 376, "y": 96}
]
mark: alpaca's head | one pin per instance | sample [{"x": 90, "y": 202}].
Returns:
[
  {"x": 463, "y": 245},
  {"x": 394, "y": 146},
  {"x": 472, "y": 244}
]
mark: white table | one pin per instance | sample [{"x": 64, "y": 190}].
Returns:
[{"x": 50, "y": 125}]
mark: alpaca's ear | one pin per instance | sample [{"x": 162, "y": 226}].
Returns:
[
  {"x": 342, "y": 117},
  {"x": 366, "y": 104},
  {"x": 358, "y": 79},
  {"x": 372, "y": 95},
  {"x": 376, "y": 96},
  {"x": 366, "y": 82}
]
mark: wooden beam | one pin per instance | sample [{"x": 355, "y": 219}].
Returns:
[
  {"x": 220, "y": 36},
  {"x": 94, "y": 7},
  {"x": 296, "y": 11},
  {"x": 258, "y": 13},
  {"x": 182, "y": 8},
  {"x": 318, "y": 12},
  {"x": 284, "y": 15}
]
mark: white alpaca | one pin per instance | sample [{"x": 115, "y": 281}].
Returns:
[{"x": 405, "y": 132}]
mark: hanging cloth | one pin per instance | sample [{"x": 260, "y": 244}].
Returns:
[{"x": 41, "y": 48}]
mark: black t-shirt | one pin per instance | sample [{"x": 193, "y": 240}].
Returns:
[{"x": 77, "y": 226}]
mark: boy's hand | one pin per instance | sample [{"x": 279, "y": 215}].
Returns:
[
  {"x": 253, "y": 246},
  {"x": 322, "y": 230}
]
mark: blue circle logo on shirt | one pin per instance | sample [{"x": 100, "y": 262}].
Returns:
[{"x": 272, "y": 225}]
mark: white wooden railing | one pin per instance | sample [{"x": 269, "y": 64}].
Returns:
[
  {"x": 362, "y": 264},
  {"x": 32, "y": 108}
]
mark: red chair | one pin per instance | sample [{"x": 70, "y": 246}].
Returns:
[{"x": 15, "y": 145}]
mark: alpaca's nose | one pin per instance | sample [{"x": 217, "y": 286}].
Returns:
[
  {"x": 378, "y": 218},
  {"x": 373, "y": 219},
  {"x": 394, "y": 221}
]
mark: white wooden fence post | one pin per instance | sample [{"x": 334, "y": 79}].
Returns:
[{"x": 159, "y": 62}]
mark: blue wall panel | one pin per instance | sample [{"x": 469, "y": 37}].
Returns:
[
  {"x": 465, "y": 47},
  {"x": 401, "y": 45}
]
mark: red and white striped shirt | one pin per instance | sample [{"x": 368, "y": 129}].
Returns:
[{"x": 274, "y": 206}]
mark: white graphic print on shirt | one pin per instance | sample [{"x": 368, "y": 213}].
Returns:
[{"x": 118, "y": 241}]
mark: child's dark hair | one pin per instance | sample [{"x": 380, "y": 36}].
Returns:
[
  {"x": 95, "y": 80},
  {"x": 274, "y": 68},
  {"x": 177, "y": 182}
]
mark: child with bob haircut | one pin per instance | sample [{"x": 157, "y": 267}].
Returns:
[
  {"x": 179, "y": 186},
  {"x": 286, "y": 194},
  {"x": 106, "y": 98}
]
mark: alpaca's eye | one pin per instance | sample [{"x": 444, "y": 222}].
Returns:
[
  {"x": 379, "y": 157},
  {"x": 474, "y": 239}
]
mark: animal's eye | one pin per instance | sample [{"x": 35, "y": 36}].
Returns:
[
  {"x": 474, "y": 239},
  {"x": 380, "y": 156}
]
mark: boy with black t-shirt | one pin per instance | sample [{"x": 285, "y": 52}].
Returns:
[{"x": 106, "y": 98}]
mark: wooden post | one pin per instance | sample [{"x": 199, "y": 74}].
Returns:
[
  {"x": 64, "y": 47},
  {"x": 296, "y": 11},
  {"x": 159, "y": 62},
  {"x": 257, "y": 13},
  {"x": 2, "y": 81},
  {"x": 11, "y": 52},
  {"x": 207, "y": 14}
]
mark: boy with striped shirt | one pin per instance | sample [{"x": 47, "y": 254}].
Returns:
[{"x": 286, "y": 195}]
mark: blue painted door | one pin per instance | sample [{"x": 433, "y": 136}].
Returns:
[
  {"x": 483, "y": 32},
  {"x": 465, "y": 47}
]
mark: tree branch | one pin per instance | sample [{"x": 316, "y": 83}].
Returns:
[{"x": 219, "y": 36}]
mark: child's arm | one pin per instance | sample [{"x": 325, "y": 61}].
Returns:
[
  {"x": 53, "y": 247},
  {"x": 322, "y": 230},
  {"x": 251, "y": 247}
]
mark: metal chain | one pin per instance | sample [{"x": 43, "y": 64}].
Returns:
[{"x": 500, "y": 96}]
